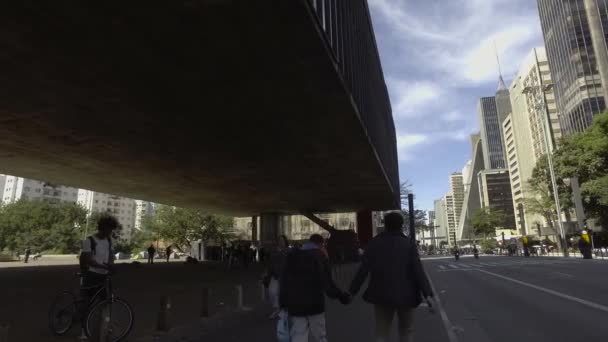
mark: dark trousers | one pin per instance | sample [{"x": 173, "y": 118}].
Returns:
[
  {"x": 150, "y": 258},
  {"x": 91, "y": 283}
]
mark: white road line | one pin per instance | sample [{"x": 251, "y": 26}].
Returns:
[
  {"x": 444, "y": 316},
  {"x": 465, "y": 265},
  {"x": 485, "y": 264},
  {"x": 475, "y": 265},
  {"x": 453, "y": 266},
  {"x": 555, "y": 293},
  {"x": 441, "y": 267}
]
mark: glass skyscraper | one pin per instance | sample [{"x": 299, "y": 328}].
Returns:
[
  {"x": 491, "y": 134},
  {"x": 572, "y": 58}
]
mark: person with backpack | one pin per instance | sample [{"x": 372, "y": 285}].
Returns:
[
  {"x": 397, "y": 282},
  {"x": 304, "y": 283},
  {"x": 96, "y": 259}
]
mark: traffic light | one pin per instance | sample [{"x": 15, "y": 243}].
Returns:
[{"x": 585, "y": 226}]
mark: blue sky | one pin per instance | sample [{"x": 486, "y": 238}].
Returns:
[{"x": 438, "y": 59}]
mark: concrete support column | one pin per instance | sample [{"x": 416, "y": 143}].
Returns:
[
  {"x": 599, "y": 43},
  {"x": 269, "y": 228},
  {"x": 254, "y": 228},
  {"x": 365, "y": 228}
]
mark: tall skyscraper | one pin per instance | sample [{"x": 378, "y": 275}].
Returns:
[
  {"x": 525, "y": 135},
  {"x": 457, "y": 192},
  {"x": 143, "y": 209},
  {"x": 471, "y": 201},
  {"x": 491, "y": 133},
  {"x": 575, "y": 39},
  {"x": 441, "y": 221}
]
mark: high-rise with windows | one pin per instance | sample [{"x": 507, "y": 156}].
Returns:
[
  {"x": 575, "y": 33},
  {"x": 525, "y": 134},
  {"x": 143, "y": 209},
  {"x": 491, "y": 133},
  {"x": 120, "y": 207},
  {"x": 16, "y": 188}
]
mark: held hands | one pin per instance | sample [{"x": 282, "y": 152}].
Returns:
[{"x": 345, "y": 298}]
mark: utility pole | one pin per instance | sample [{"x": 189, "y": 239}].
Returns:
[
  {"x": 549, "y": 146},
  {"x": 412, "y": 217}
]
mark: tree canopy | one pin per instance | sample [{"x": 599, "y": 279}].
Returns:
[
  {"x": 585, "y": 155},
  {"x": 485, "y": 221},
  {"x": 183, "y": 226},
  {"x": 41, "y": 226}
]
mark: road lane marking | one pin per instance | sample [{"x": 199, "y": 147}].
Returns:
[
  {"x": 482, "y": 263},
  {"x": 465, "y": 265},
  {"x": 449, "y": 328},
  {"x": 453, "y": 266},
  {"x": 441, "y": 267},
  {"x": 546, "y": 290},
  {"x": 566, "y": 275}
]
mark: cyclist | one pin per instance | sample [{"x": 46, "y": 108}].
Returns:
[{"x": 96, "y": 259}]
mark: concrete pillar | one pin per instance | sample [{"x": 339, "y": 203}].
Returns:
[
  {"x": 599, "y": 43},
  {"x": 269, "y": 228},
  {"x": 254, "y": 229},
  {"x": 365, "y": 228}
]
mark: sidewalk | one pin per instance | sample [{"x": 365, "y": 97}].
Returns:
[{"x": 352, "y": 323}]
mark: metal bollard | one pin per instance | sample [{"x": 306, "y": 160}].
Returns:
[
  {"x": 4, "y": 333},
  {"x": 164, "y": 313},
  {"x": 239, "y": 297},
  {"x": 205, "y": 302},
  {"x": 263, "y": 292}
]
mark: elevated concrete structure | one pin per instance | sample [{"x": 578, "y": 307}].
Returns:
[{"x": 239, "y": 107}]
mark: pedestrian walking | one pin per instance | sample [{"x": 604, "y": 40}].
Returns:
[
  {"x": 151, "y": 252},
  {"x": 397, "y": 280},
  {"x": 274, "y": 270},
  {"x": 28, "y": 252},
  {"x": 304, "y": 284},
  {"x": 168, "y": 252}
]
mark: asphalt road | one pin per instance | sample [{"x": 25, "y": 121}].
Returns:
[
  {"x": 517, "y": 299},
  {"x": 492, "y": 299}
]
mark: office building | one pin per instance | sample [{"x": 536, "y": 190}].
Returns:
[
  {"x": 440, "y": 221},
  {"x": 16, "y": 188},
  {"x": 297, "y": 227},
  {"x": 525, "y": 134},
  {"x": 576, "y": 50},
  {"x": 143, "y": 209},
  {"x": 457, "y": 193},
  {"x": 491, "y": 133},
  {"x": 120, "y": 207},
  {"x": 495, "y": 194},
  {"x": 471, "y": 202}
]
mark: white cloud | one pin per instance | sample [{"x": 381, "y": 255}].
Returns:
[
  {"x": 453, "y": 116},
  {"x": 406, "y": 143},
  {"x": 409, "y": 98}
]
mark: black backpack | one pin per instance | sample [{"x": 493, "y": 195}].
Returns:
[{"x": 83, "y": 264}]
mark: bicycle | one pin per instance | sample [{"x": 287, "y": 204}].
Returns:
[{"x": 103, "y": 313}]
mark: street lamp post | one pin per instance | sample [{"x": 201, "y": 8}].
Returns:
[{"x": 547, "y": 135}]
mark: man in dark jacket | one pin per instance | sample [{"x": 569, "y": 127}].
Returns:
[
  {"x": 397, "y": 281},
  {"x": 304, "y": 283}
]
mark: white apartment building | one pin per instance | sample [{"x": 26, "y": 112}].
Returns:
[
  {"x": 143, "y": 209},
  {"x": 120, "y": 207},
  {"x": 525, "y": 136},
  {"x": 16, "y": 188}
]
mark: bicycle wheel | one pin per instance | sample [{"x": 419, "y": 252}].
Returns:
[
  {"x": 115, "y": 314},
  {"x": 62, "y": 312}
]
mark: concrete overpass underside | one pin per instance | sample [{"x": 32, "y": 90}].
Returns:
[{"x": 233, "y": 106}]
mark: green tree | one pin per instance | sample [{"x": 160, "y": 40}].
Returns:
[
  {"x": 540, "y": 183},
  {"x": 41, "y": 226},
  {"x": 485, "y": 221},
  {"x": 183, "y": 226},
  {"x": 585, "y": 155},
  {"x": 488, "y": 245}
]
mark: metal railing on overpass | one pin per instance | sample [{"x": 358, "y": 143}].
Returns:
[{"x": 349, "y": 34}]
